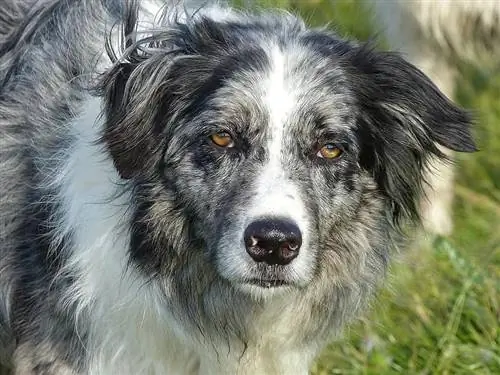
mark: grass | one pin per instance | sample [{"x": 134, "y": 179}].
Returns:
[{"x": 440, "y": 310}]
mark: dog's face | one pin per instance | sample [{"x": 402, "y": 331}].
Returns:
[
  {"x": 271, "y": 164},
  {"x": 282, "y": 154}
]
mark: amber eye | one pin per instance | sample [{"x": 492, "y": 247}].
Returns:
[
  {"x": 222, "y": 139},
  {"x": 329, "y": 151}
]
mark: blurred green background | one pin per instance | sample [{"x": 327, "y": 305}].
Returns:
[{"x": 440, "y": 309}]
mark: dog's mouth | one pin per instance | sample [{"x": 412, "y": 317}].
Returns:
[
  {"x": 267, "y": 283},
  {"x": 269, "y": 277}
]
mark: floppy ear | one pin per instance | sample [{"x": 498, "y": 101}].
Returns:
[
  {"x": 131, "y": 132},
  {"x": 403, "y": 118}
]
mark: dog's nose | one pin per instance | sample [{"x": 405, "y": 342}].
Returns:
[{"x": 274, "y": 241}]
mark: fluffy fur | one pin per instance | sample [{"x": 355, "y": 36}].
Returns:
[
  {"x": 122, "y": 224},
  {"x": 433, "y": 35}
]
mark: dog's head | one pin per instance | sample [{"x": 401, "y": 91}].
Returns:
[{"x": 274, "y": 153}]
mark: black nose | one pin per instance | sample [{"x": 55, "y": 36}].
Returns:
[{"x": 274, "y": 241}]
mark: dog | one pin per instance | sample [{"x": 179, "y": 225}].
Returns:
[
  {"x": 199, "y": 190},
  {"x": 434, "y": 35}
]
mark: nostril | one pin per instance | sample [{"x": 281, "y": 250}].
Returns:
[
  {"x": 251, "y": 241},
  {"x": 293, "y": 245},
  {"x": 274, "y": 241}
]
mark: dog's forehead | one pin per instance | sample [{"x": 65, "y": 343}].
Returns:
[{"x": 294, "y": 92}]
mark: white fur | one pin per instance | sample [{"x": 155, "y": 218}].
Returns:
[
  {"x": 130, "y": 333},
  {"x": 277, "y": 195}
]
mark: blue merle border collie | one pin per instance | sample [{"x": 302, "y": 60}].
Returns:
[{"x": 198, "y": 192}]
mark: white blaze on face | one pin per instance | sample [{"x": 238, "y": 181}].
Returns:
[{"x": 276, "y": 195}]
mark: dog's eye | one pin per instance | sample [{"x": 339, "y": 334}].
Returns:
[
  {"x": 329, "y": 151},
  {"x": 222, "y": 139}
]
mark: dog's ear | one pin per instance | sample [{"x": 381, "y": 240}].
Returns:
[
  {"x": 130, "y": 133},
  {"x": 404, "y": 117}
]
